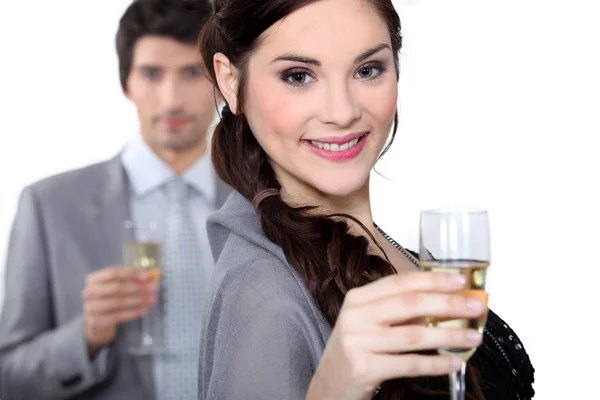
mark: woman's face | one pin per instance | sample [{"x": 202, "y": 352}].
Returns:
[{"x": 321, "y": 96}]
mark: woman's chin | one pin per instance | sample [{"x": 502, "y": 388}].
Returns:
[{"x": 337, "y": 187}]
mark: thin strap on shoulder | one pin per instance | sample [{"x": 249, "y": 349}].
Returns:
[{"x": 412, "y": 256}]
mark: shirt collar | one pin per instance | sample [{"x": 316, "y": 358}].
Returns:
[
  {"x": 147, "y": 171},
  {"x": 201, "y": 177}
]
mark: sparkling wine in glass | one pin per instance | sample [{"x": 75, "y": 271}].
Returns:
[
  {"x": 142, "y": 250},
  {"x": 458, "y": 241}
]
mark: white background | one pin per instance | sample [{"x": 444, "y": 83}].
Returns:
[{"x": 500, "y": 105}]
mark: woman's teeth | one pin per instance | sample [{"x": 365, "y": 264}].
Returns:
[{"x": 335, "y": 146}]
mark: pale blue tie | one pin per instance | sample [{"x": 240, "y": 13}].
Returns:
[{"x": 181, "y": 288}]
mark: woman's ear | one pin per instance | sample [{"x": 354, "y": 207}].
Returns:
[{"x": 227, "y": 79}]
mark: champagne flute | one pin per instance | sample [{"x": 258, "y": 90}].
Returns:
[
  {"x": 141, "y": 250},
  {"x": 458, "y": 241}
]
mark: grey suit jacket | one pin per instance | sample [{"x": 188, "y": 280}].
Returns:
[{"x": 66, "y": 227}]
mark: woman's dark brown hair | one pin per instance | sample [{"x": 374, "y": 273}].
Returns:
[{"x": 320, "y": 247}]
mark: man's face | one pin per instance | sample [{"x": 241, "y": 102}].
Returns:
[{"x": 174, "y": 100}]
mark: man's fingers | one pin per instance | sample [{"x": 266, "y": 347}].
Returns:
[
  {"x": 117, "y": 288},
  {"x": 115, "y": 273},
  {"x": 111, "y": 320},
  {"x": 116, "y": 304}
]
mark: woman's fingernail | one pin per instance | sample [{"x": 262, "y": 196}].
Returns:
[
  {"x": 457, "y": 280},
  {"x": 473, "y": 336},
  {"x": 474, "y": 305}
]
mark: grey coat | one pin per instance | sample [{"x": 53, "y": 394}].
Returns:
[{"x": 263, "y": 334}]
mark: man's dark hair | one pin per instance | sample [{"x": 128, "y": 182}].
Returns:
[{"x": 178, "y": 19}]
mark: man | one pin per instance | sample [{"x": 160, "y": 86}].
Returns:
[{"x": 72, "y": 310}]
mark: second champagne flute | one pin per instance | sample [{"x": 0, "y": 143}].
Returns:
[{"x": 142, "y": 250}]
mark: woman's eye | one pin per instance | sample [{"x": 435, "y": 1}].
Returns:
[
  {"x": 368, "y": 72},
  {"x": 299, "y": 78}
]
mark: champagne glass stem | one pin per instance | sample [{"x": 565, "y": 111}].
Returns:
[
  {"x": 147, "y": 339},
  {"x": 457, "y": 383}
]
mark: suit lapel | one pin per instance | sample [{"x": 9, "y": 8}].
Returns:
[{"x": 110, "y": 212}]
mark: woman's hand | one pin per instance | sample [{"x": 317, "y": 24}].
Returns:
[{"x": 381, "y": 327}]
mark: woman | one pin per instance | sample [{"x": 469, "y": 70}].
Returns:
[{"x": 310, "y": 299}]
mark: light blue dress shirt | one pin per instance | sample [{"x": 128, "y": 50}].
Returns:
[{"x": 148, "y": 201}]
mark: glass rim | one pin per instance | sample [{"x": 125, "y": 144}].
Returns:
[{"x": 451, "y": 210}]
